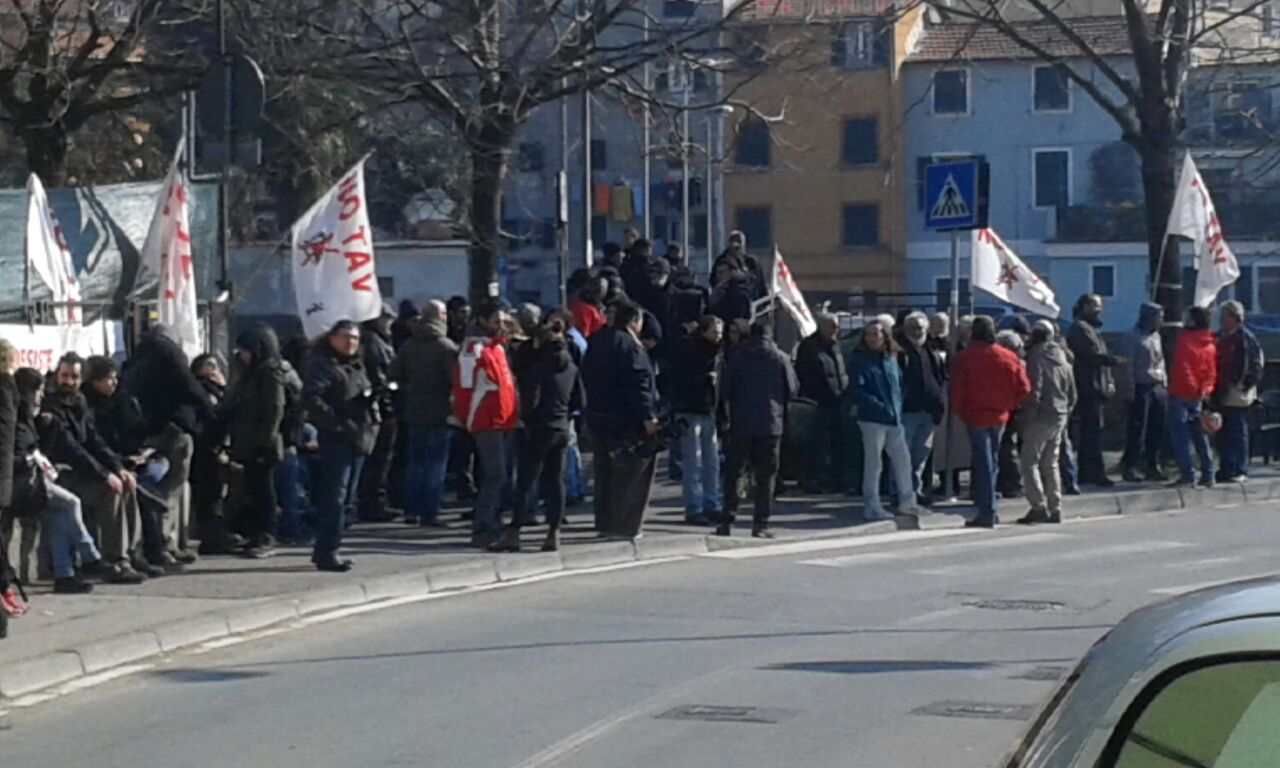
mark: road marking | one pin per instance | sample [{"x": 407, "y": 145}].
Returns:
[
  {"x": 72, "y": 686},
  {"x": 1014, "y": 540},
  {"x": 1185, "y": 588},
  {"x": 1065, "y": 556},
  {"x": 1205, "y": 563},
  {"x": 843, "y": 542}
]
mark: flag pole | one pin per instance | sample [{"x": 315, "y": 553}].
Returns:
[{"x": 948, "y": 480}]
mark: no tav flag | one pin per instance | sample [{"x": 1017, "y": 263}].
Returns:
[
  {"x": 47, "y": 251},
  {"x": 331, "y": 255},
  {"x": 1195, "y": 217},
  {"x": 168, "y": 250},
  {"x": 783, "y": 287},
  {"x": 996, "y": 269}
]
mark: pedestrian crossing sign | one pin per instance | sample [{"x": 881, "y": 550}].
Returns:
[{"x": 954, "y": 197}]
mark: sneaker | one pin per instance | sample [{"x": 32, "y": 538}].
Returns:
[
  {"x": 1206, "y": 481},
  {"x": 876, "y": 515},
  {"x": 184, "y": 556},
  {"x": 1071, "y": 490},
  {"x": 762, "y": 533},
  {"x": 1130, "y": 475},
  {"x": 1034, "y": 517},
  {"x": 981, "y": 522},
  {"x": 70, "y": 585},
  {"x": 693, "y": 517},
  {"x": 1154, "y": 475},
  {"x": 509, "y": 541},
  {"x": 1232, "y": 478},
  {"x": 260, "y": 551},
  {"x": 334, "y": 566},
  {"x": 145, "y": 568},
  {"x": 482, "y": 540},
  {"x": 122, "y": 574},
  {"x": 167, "y": 563}
]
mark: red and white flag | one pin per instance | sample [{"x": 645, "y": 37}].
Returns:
[
  {"x": 331, "y": 253},
  {"x": 1195, "y": 217},
  {"x": 168, "y": 250},
  {"x": 783, "y": 287},
  {"x": 996, "y": 269},
  {"x": 48, "y": 254}
]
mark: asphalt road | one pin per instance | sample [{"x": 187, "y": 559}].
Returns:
[{"x": 847, "y": 655}]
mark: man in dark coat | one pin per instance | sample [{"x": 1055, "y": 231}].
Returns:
[
  {"x": 1095, "y": 385},
  {"x": 8, "y": 432},
  {"x": 824, "y": 380},
  {"x": 378, "y": 354},
  {"x": 622, "y": 414},
  {"x": 635, "y": 268},
  {"x": 255, "y": 410}
]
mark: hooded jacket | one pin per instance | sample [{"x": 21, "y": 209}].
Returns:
[
  {"x": 550, "y": 388},
  {"x": 74, "y": 438},
  {"x": 758, "y": 383},
  {"x": 820, "y": 369},
  {"x": 338, "y": 398},
  {"x": 424, "y": 372},
  {"x": 1146, "y": 355},
  {"x": 1053, "y": 384},
  {"x": 587, "y": 318},
  {"x": 255, "y": 405},
  {"x": 988, "y": 382},
  {"x": 1093, "y": 363},
  {"x": 1195, "y": 366},
  {"x": 158, "y": 374},
  {"x": 732, "y": 301},
  {"x": 877, "y": 386},
  {"x": 484, "y": 389}
]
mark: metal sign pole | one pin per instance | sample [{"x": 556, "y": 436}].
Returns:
[{"x": 948, "y": 482}]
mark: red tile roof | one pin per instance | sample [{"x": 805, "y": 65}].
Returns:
[{"x": 1106, "y": 35}]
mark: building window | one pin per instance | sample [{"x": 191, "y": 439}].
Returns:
[
  {"x": 754, "y": 144},
  {"x": 599, "y": 231},
  {"x": 1271, "y": 20},
  {"x": 678, "y": 9},
  {"x": 1268, "y": 280},
  {"x": 861, "y": 226},
  {"x": 529, "y": 157},
  {"x": 942, "y": 290},
  {"x": 756, "y": 222},
  {"x": 1051, "y": 171},
  {"x": 387, "y": 287},
  {"x": 1102, "y": 280},
  {"x": 1051, "y": 90},
  {"x": 599, "y": 154},
  {"x": 951, "y": 92},
  {"x": 863, "y": 45},
  {"x": 861, "y": 142},
  {"x": 1243, "y": 111}
]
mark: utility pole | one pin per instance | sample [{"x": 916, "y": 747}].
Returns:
[
  {"x": 647, "y": 139},
  {"x": 588, "y": 189},
  {"x": 684, "y": 165},
  {"x": 562, "y": 202},
  {"x": 708, "y": 190}
]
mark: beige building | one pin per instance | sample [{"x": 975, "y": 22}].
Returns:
[{"x": 816, "y": 165}]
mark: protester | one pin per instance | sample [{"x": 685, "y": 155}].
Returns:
[
  {"x": 688, "y": 299},
  {"x": 695, "y": 383},
  {"x": 1095, "y": 385},
  {"x": 674, "y": 255},
  {"x": 484, "y": 402},
  {"x": 611, "y": 255},
  {"x": 459, "y": 318},
  {"x": 295, "y": 437},
  {"x": 1195, "y": 377},
  {"x": 1043, "y": 419},
  {"x": 208, "y": 464},
  {"x": 1008, "y": 471},
  {"x": 1240, "y": 362},
  {"x": 1143, "y": 385},
  {"x": 402, "y": 328},
  {"x": 635, "y": 268},
  {"x": 923, "y": 396},
  {"x": 587, "y": 306},
  {"x": 339, "y": 402},
  {"x": 550, "y": 390},
  {"x": 622, "y": 414},
  {"x": 988, "y": 382},
  {"x": 424, "y": 372},
  {"x": 940, "y": 333},
  {"x": 255, "y": 410},
  {"x": 823, "y": 379},
  {"x": 732, "y": 299},
  {"x": 877, "y": 393},
  {"x": 378, "y": 353}
]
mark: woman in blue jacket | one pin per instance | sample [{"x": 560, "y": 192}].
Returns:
[{"x": 877, "y": 392}]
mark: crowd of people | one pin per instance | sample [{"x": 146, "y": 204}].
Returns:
[{"x": 121, "y": 470}]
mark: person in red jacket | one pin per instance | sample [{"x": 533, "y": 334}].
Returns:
[
  {"x": 988, "y": 382},
  {"x": 586, "y": 307},
  {"x": 484, "y": 403},
  {"x": 1195, "y": 376}
]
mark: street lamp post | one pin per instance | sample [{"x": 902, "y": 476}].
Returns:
[{"x": 684, "y": 168}]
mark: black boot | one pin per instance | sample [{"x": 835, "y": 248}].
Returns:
[{"x": 509, "y": 541}]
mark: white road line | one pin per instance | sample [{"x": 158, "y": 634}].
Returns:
[
  {"x": 1185, "y": 588},
  {"x": 843, "y": 542},
  {"x": 1205, "y": 563},
  {"x": 32, "y": 699},
  {"x": 1062, "y": 556},
  {"x": 914, "y": 553}
]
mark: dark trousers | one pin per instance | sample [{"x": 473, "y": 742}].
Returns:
[
  {"x": 397, "y": 482},
  {"x": 825, "y": 472},
  {"x": 151, "y": 513},
  {"x": 541, "y": 465},
  {"x": 260, "y": 508},
  {"x": 1233, "y": 442},
  {"x": 1144, "y": 428},
  {"x": 377, "y": 471},
  {"x": 1089, "y": 412},
  {"x": 461, "y": 454},
  {"x": 623, "y": 481},
  {"x": 337, "y": 476},
  {"x": 208, "y": 487},
  {"x": 760, "y": 452},
  {"x": 1009, "y": 472}
]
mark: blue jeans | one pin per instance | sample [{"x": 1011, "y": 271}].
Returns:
[
  {"x": 984, "y": 444},
  {"x": 1233, "y": 445},
  {"x": 428, "y": 465},
  {"x": 1067, "y": 462},
  {"x": 337, "y": 477},
  {"x": 288, "y": 480},
  {"x": 919, "y": 430},
  {"x": 67, "y": 533},
  {"x": 575, "y": 482},
  {"x": 1186, "y": 431},
  {"x": 700, "y": 449}
]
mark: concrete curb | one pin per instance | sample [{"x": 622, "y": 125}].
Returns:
[{"x": 39, "y": 673}]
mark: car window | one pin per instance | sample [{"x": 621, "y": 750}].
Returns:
[{"x": 1218, "y": 716}]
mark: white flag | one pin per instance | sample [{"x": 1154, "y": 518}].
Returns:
[
  {"x": 1194, "y": 217},
  {"x": 783, "y": 287},
  {"x": 996, "y": 269},
  {"x": 168, "y": 251},
  {"x": 332, "y": 257},
  {"x": 48, "y": 254}
]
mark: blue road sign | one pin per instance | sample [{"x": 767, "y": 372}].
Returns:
[{"x": 951, "y": 195}]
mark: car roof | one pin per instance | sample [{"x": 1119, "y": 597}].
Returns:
[{"x": 1133, "y": 647}]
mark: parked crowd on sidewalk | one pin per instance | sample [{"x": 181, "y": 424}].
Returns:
[{"x": 115, "y": 472}]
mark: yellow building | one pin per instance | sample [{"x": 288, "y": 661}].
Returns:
[{"x": 816, "y": 164}]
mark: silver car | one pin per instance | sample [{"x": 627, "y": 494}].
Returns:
[{"x": 1192, "y": 682}]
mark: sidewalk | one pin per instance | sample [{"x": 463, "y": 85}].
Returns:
[{"x": 65, "y": 637}]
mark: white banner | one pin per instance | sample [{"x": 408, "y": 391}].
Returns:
[
  {"x": 996, "y": 269},
  {"x": 40, "y": 346},
  {"x": 783, "y": 286},
  {"x": 47, "y": 251},
  {"x": 1195, "y": 217},
  {"x": 331, "y": 253},
  {"x": 168, "y": 251}
]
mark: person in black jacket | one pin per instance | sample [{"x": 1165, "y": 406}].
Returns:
[
  {"x": 635, "y": 268},
  {"x": 924, "y": 382},
  {"x": 208, "y": 464},
  {"x": 1095, "y": 385},
  {"x": 732, "y": 299},
  {"x": 695, "y": 382},
  {"x": 339, "y": 401},
  {"x": 8, "y": 427},
  {"x": 622, "y": 415},
  {"x": 378, "y": 354},
  {"x": 255, "y": 409},
  {"x": 550, "y": 391},
  {"x": 823, "y": 379}
]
